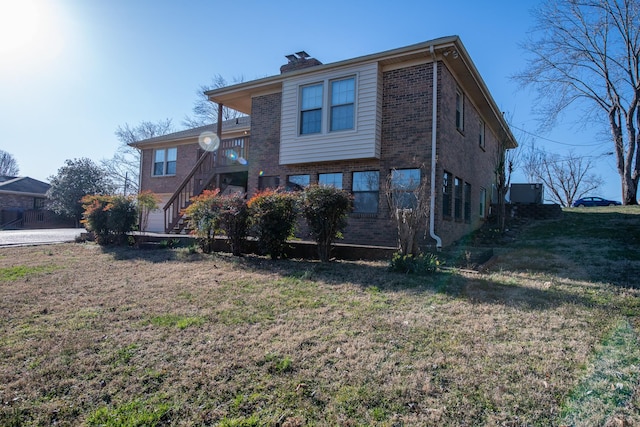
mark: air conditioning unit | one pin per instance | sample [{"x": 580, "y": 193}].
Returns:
[{"x": 531, "y": 193}]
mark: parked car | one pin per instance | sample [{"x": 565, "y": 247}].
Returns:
[{"x": 594, "y": 201}]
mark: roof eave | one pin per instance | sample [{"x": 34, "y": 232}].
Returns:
[{"x": 239, "y": 96}]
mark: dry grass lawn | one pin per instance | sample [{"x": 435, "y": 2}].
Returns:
[{"x": 125, "y": 337}]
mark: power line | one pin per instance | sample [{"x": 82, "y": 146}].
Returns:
[
  {"x": 554, "y": 141},
  {"x": 568, "y": 159}
]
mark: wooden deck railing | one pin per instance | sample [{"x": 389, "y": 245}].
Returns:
[{"x": 230, "y": 152}]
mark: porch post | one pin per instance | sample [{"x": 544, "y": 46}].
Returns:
[
  {"x": 219, "y": 130},
  {"x": 219, "y": 133}
]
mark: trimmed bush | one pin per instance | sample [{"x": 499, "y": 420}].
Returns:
[
  {"x": 233, "y": 219},
  {"x": 110, "y": 218},
  {"x": 325, "y": 209},
  {"x": 203, "y": 218},
  {"x": 272, "y": 218}
]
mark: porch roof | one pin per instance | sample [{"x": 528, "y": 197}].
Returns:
[{"x": 238, "y": 124}]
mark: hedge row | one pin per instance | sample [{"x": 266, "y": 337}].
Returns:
[{"x": 270, "y": 216}]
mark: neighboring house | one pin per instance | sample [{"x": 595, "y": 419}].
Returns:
[
  {"x": 350, "y": 124},
  {"x": 22, "y": 202}
]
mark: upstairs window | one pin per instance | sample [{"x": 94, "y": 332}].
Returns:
[
  {"x": 164, "y": 161},
  {"x": 342, "y": 102},
  {"x": 366, "y": 189},
  {"x": 331, "y": 179},
  {"x": 459, "y": 110},
  {"x": 481, "y": 134},
  {"x": 311, "y": 109}
]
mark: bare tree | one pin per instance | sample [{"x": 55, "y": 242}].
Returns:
[
  {"x": 8, "y": 164},
  {"x": 408, "y": 200},
  {"x": 505, "y": 162},
  {"x": 588, "y": 52},
  {"x": 123, "y": 168},
  {"x": 531, "y": 158},
  {"x": 205, "y": 112},
  {"x": 565, "y": 178}
]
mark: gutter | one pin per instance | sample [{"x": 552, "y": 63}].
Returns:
[
  {"x": 434, "y": 129},
  {"x": 23, "y": 193}
]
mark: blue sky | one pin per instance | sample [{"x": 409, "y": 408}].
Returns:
[{"x": 71, "y": 71}]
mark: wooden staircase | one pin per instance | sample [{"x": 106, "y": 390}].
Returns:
[{"x": 207, "y": 168}]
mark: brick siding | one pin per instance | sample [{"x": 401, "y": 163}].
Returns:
[
  {"x": 16, "y": 201},
  {"x": 406, "y": 143},
  {"x": 187, "y": 156}
]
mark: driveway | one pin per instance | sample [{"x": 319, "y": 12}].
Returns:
[{"x": 38, "y": 237}]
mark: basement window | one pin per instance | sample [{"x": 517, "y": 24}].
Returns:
[{"x": 366, "y": 189}]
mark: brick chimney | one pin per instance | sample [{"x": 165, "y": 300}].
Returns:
[{"x": 298, "y": 61}]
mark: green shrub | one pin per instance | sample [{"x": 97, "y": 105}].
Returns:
[
  {"x": 272, "y": 218},
  {"x": 325, "y": 209},
  {"x": 95, "y": 217},
  {"x": 203, "y": 215},
  {"x": 146, "y": 201},
  {"x": 234, "y": 221},
  {"x": 122, "y": 217},
  {"x": 414, "y": 264},
  {"x": 110, "y": 218}
]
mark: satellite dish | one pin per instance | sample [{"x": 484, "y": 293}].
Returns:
[{"x": 209, "y": 141}]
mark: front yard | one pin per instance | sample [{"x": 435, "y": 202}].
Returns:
[{"x": 131, "y": 337}]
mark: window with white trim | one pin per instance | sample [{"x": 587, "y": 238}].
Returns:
[
  {"x": 481, "y": 133},
  {"x": 164, "y": 161},
  {"x": 331, "y": 179},
  {"x": 366, "y": 190},
  {"x": 331, "y": 112},
  {"x": 311, "y": 109},
  {"x": 342, "y": 104},
  {"x": 483, "y": 202}
]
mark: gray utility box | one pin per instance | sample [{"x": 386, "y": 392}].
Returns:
[{"x": 526, "y": 193}]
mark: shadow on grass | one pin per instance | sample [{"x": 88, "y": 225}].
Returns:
[
  {"x": 452, "y": 284},
  {"x": 595, "y": 244},
  {"x": 154, "y": 255},
  {"x": 599, "y": 232}
]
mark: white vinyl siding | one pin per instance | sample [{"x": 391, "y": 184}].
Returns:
[{"x": 361, "y": 142}]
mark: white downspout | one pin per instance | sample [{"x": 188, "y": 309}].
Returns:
[{"x": 434, "y": 128}]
